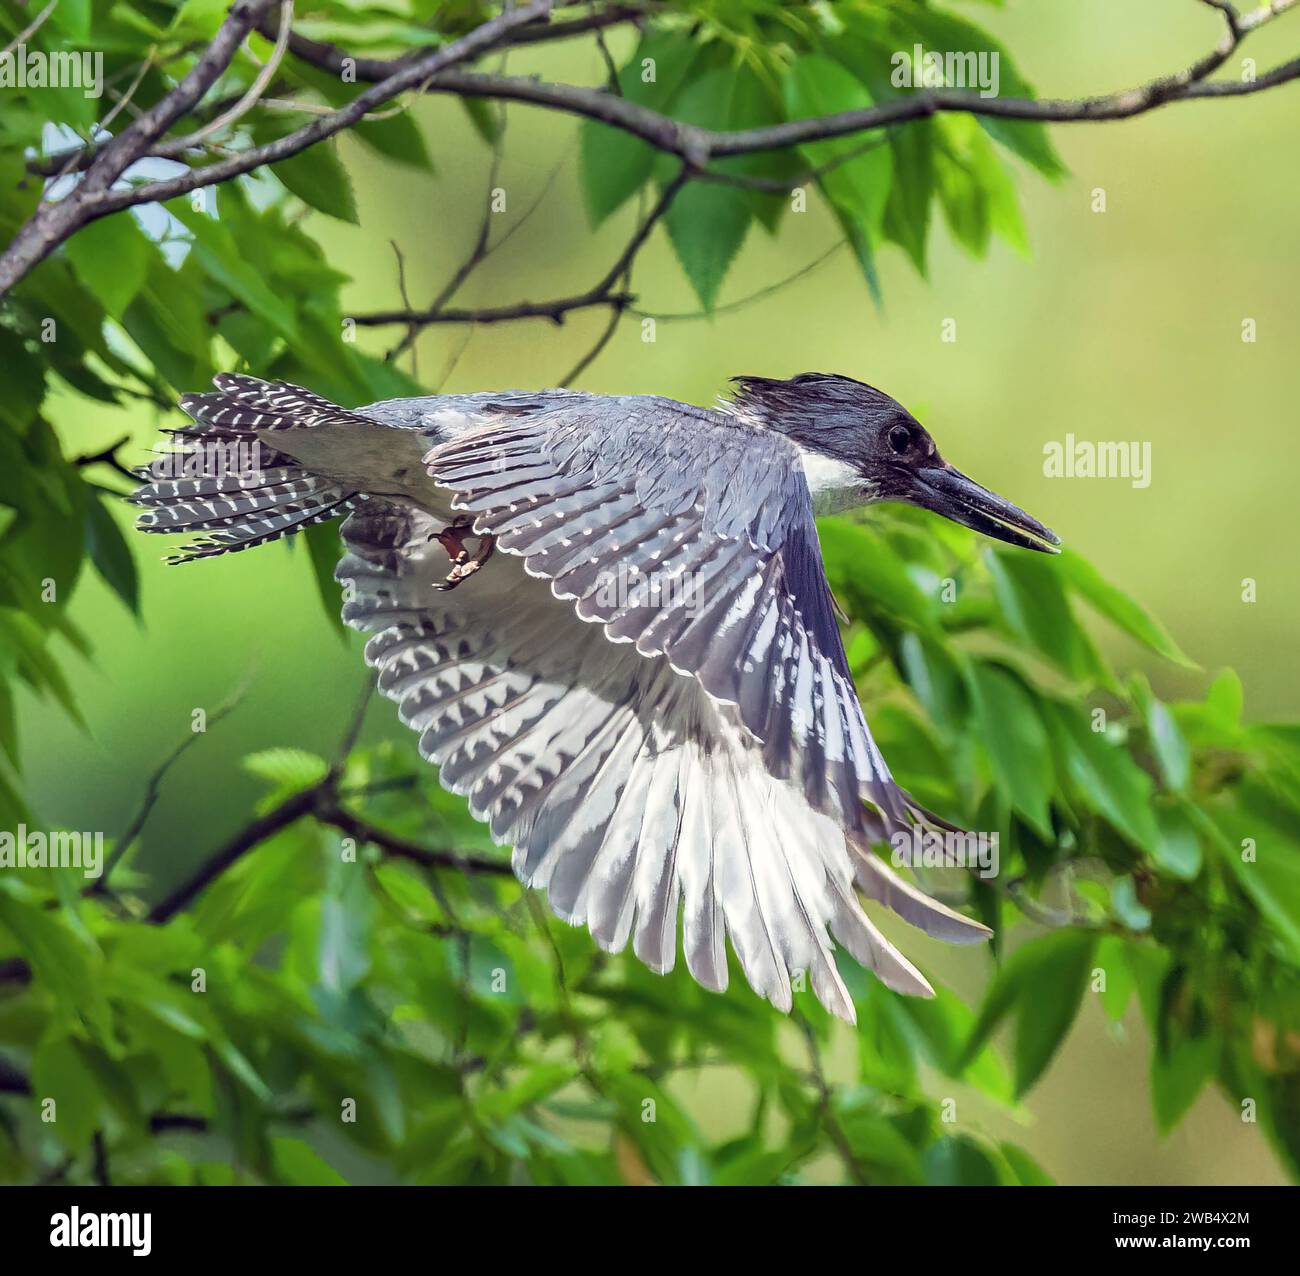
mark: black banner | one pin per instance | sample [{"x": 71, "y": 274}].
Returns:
[{"x": 216, "y": 1224}]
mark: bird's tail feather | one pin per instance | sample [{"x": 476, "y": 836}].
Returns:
[{"x": 219, "y": 479}]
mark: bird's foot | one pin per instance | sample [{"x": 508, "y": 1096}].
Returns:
[{"x": 463, "y": 564}]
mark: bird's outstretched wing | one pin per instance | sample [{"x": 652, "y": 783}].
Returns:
[
  {"x": 628, "y": 793},
  {"x": 690, "y": 535}
]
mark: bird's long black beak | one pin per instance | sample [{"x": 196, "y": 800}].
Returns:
[{"x": 949, "y": 492}]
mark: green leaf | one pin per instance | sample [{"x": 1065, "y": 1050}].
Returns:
[
  {"x": 615, "y": 165},
  {"x": 707, "y": 224},
  {"x": 1260, "y": 848},
  {"x": 59, "y": 958},
  {"x": 225, "y": 262},
  {"x": 958, "y": 1162},
  {"x": 1112, "y": 961},
  {"x": 1035, "y": 608},
  {"x": 1179, "y": 1070},
  {"x": 23, "y": 393},
  {"x": 299, "y": 1163},
  {"x": 289, "y": 769},
  {"x": 1027, "y": 1171},
  {"x": 110, "y": 553},
  {"x": 937, "y": 676},
  {"x": 1015, "y": 741},
  {"x": 940, "y": 1026},
  {"x": 945, "y": 33},
  {"x": 858, "y": 185},
  {"x": 240, "y": 1068},
  {"x": 35, "y": 662},
  {"x": 111, "y": 257},
  {"x": 1118, "y": 607},
  {"x": 399, "y": 137},
  {"x": 911, "y": 192},
  {"x": 1126, "y": 906},
  {"x": 1106, "y": 778},
  {"x": 708, "y": 221},
  {"x": 166, "y": 321},
  {"x": 485, "y": 121},
  {"x": 542, "y": 1080},
  {"x": 74, "y": 17},
  {"x": 1168, "y": 744},
  {"x": 318, "y": 178},
  {"x": 816, "y": 86},
  {"x": 1043, "y": 983},
  {"x": 1178, "y": 848},
  {"x": 1225, "y": 699},
  {"x": 975, "y": 192},
  {"x": 60, "y": 1072},
  {"x": 869, "y": 578}
]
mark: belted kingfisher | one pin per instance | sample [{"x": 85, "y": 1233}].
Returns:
[{"x": 644, "y": 689}]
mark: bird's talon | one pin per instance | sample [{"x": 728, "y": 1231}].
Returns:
[{"x": 453, "y": 539}]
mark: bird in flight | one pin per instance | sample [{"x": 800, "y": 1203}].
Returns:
[{"x": 608, "y": 620}]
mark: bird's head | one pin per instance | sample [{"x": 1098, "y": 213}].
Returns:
[{"x": 859, "y": 445}]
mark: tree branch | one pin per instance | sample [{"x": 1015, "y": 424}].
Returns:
[
  {"x": 700, "y": 145},
  {"x": 400, "y": 848},
  {"x": 436, "y": 72},
  {"x": 290, "y": 811},
  {"x": 94, "y": 196},
  {"x": 554, "y": 310},
  {"x": 52, "y": 223}
]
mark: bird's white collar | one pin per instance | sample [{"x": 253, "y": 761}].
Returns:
[{"x": 834, "y": 485}]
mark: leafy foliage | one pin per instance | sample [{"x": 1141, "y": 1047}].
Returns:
[{"x": 478, "y": 1039}]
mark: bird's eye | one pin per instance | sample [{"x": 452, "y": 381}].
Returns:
[{"x": 900, "y": 438}]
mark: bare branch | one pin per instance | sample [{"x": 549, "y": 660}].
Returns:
[
  {"x": 554, "y": 310},
  {"x": 477, "y": 253},
  {"x": 401, "y": 848},
  {"x": 605, "y": 292},
  {"x": 322, "y": 802},
  {"x": 606, "y": 336},
  {"x": 599, "y": 21},
  {"x": 108, "y": 456}
]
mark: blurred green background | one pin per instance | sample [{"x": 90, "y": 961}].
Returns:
[{"x": 1122, "y": 325}]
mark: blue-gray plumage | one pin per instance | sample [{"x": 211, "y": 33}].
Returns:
[{"x": 697, "y": 751}]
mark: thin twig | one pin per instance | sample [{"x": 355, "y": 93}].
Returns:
[
  {"x": 405, "y": 295},
  {"x": 178, "y": 145},
  {"x": 605, "y": 292},
  {"x": 606, "y": 336},
  {"x": 108, "y": 456},
  {"x": 31, "y": 29},
  {"x": 153, "y": 787},
  {"x": 741, "y": 302},
  {"x": 694, "y": 143},
  {"x": 826, "y": 1105},
  {"x": 478, "y": 252}
]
